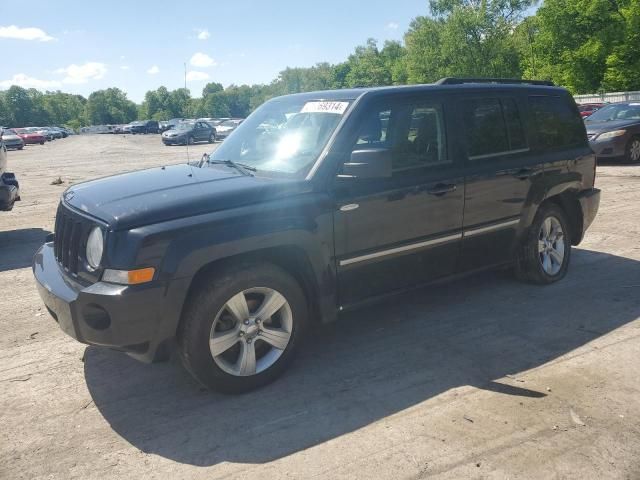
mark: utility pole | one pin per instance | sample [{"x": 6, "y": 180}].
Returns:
[{"x": 185, "y": 75}]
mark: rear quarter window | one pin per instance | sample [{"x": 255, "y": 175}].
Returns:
[{"x": 557, "y": 123}]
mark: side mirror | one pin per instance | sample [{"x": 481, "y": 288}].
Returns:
[{"x": 371, "y": 163}]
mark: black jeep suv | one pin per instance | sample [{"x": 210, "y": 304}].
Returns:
[{"x": 317, "y": 203}]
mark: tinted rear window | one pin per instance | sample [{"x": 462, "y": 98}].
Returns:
[
  {"x": 493, "y": 127},
  {"x": 557, "y": 123}
]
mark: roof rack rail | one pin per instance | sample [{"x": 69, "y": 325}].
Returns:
[{"x": 460, "y": 81}]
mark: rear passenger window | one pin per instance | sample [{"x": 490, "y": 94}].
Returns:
[
  {"x": 492, "y": 127},
  {"x": 557, "y": 123},
  {"x": 515, "y": 131}
]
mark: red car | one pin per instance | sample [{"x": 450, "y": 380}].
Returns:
[
  {"x": 30, "y": 138},
  {"x": 587, "y": 109}
]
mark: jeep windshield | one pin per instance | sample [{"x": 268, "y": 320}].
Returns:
[{"x": 285, "y": 135}]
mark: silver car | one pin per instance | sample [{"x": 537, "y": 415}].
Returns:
[{"x": 12, "y": 140}]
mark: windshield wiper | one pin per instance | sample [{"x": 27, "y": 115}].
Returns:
[{"x": 241, "y": 167}]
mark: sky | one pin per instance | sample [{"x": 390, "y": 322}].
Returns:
[{"x": 83, "y": 46}]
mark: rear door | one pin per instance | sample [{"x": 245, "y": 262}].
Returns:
[
  {"x": 396, "y": 232},
  {"x": 500, "y": 169}
]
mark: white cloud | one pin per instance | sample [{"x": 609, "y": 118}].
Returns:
[
  {"x": 203, "y": 34},
  {"x": 153, "y": 70},
  {"x": 194, "y": 76},
  {"x": 25, "y": 81},
  {"x": 392, "y": 26},
  {"x": 202, "y": 60},
  {"x": 83, "y": 73},
  {"x": 124, "y": 67},
  {"x": 28, "y": 33}
]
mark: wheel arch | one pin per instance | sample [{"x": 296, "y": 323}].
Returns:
[
  {"x": 291, "y": 258},
  {"x": 569, "y": 203}
]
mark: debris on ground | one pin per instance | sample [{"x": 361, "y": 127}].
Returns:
[
  {"x": 57, "y": 181},
  {"x": 576, "y": 419}
]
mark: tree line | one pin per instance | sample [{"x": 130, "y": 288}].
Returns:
[{"x": 586, "y": 46}]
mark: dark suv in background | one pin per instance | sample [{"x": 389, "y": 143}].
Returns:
[
  {"x": 145, "y": 126},
  {"x": 319, "y": 203}
]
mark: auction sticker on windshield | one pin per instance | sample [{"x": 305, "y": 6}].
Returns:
[{"x": 325, "y": 107}]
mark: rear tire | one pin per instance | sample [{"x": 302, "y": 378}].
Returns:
[
  {"x": 544, "y": 255},
  {"x": 191, "y": 141},
  {"x": 207, "y": 319},
  {"x": 212, "y": 138},
  {"x": 632, "y": 151},
  {"x": 42, "y": 143}
]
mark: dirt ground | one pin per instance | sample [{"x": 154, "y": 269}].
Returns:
[{"x": 482, "y": 378}]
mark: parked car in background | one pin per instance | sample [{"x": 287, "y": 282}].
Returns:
[
  {"x": 145, "y": 127},
  {"x": 614, "y": 131},
  {"x": 277, "y": 229},
  {"x": 29, "y": 137},
  {"x": 45, "y": 132},
  {"x": 12, "y": 140},
  {"x": 587, "y": 109},
  {"x": 188, "y": 133},
  {"x": 169, "y": 124},
  {"x": 225, "y": 128},
  {"x": 9, "y": 187}
]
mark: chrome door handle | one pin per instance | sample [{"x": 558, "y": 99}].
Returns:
[{"x": 349, "y": 207}]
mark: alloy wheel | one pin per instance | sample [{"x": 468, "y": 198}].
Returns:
[
  {"x": 551, "y": 246},
  {"x": 634, "y": 151},
  {"x": 251, "y": 331}
]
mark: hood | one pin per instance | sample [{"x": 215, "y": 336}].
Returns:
[
  {"x": 11, "y": 137},
  {"x": 167, "y": 193},
  {"x": 600, "y": 127}
]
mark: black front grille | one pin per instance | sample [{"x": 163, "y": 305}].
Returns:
[{"x": 70, "y": 240}]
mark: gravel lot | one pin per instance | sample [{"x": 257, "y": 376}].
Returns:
[{"x": 482, "y": 378}]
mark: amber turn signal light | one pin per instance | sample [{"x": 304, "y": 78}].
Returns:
[{"x": 129, "y": 277}]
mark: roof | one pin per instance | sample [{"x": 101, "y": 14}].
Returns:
[{"x": 448, "y": 84}]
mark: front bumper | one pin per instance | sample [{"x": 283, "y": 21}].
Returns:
[
  {"x": 9, "y": 190},
  {"x": 612, "y": 148},
  {"x": 174, "y": 140},
  {"x": 125, "y": 318},
  {"x": 14, "y": 143},
  {"x": 589, "y": 203}
]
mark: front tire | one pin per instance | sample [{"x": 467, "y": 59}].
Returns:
[
  {"x": 241, "y": 327},
  {"x": 191, "y": 141},
  {"x": 545, "y": 253}
]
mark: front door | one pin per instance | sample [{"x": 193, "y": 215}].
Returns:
[{"x": 392, "y": 233}]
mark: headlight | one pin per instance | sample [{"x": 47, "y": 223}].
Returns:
[
  {"x": 612, "y": 134},
  {"x": 95, "y": 245}
]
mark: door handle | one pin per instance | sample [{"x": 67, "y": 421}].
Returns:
[
  {"x": 524, "y": 173},
  {"x": 349, "y": 207},
  {"x": 442, "y": 189}
]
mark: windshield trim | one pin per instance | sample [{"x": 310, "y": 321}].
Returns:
[{"x": 323, "y": 154}]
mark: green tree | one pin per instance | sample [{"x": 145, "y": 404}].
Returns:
[
  {"x": 588, "y": 45},
  {"x": 467, "y": 38},
  {"x": 110, "y": 106},
  {"x": 20, "y": 106},
  {"x": 368, "y": 67}
]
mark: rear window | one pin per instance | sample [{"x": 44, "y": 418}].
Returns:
[
  {"x": 557, "y": 123},
  {"x": 492, "y": 127}
]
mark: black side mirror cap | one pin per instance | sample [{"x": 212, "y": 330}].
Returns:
[{"x": 370, "y": 163}]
